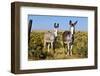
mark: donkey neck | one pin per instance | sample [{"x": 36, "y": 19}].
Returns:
[
  {"x": 55, "y": 32},
  {"x": 72, "y": 30}
]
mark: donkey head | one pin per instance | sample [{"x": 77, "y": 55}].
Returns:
[
  {"x": 72, "y": 26},
  {"x": 56, "y": 25}
]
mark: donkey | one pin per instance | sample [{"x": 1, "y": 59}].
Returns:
[
  {"x": 68, "y": 37},
  {"x": 50, "y": 37}
]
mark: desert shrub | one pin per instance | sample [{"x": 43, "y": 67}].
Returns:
[
  {"x": 36, "y": 44},
  {"x": 80, "y": 46},
  {"x": 57, "y": 43}
]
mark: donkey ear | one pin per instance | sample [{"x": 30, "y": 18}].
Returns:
[
  {"x": 70, "y": 22},
  {"x": 57, "y": 25},
  {"x": 75, "y": 23},
  {"x": 54, "y": 25}
]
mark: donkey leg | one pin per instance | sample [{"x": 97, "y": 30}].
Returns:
[
  {"x": 53, "y": 46},
  {"x": 71, "y": 50},
  {"x": 68, "y": 49},
  {"x": 64, "y": 47},
  {"x": 48, "y": 47}
]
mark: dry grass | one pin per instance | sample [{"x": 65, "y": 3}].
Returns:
[{"x": 80, "y": 48}]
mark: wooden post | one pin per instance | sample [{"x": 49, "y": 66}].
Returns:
[{"x": 29, "y": 30}]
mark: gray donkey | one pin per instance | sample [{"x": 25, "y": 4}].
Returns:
[
  {"x": 50, "y": 37},
  {"x": 68, "y": 37}
]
